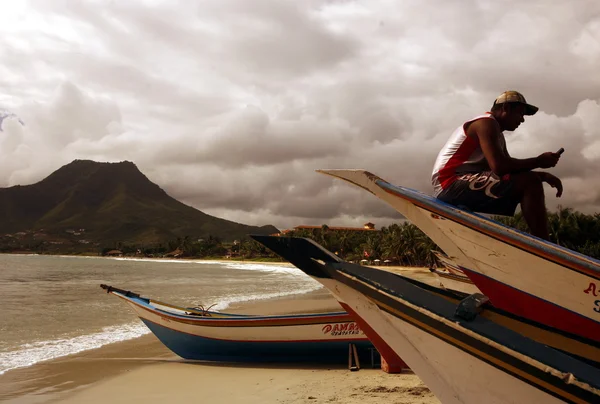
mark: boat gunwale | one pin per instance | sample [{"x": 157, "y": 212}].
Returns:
[{"x": 250, "y": 321}]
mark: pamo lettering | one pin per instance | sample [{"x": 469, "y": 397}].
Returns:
[
  {"x": 342, "y": 329},
  {"x": 592, "y": 289}
]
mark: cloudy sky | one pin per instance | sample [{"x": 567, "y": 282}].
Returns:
[{"x": 230, "y": 105}]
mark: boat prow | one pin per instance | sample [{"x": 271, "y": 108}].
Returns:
[
  {"x": 462, "y": 356},
  {"x": 451, "y": 277},
  {"x": 520, "y": 273}
]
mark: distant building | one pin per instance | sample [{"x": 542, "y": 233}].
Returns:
[
  {"x": 366, "y": 227},
  {"x": 115, "y": 253}
]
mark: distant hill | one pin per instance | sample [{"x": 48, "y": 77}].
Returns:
[{"x": 111, "y": 202}]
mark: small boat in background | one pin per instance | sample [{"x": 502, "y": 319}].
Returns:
[{"x": 198, "y": 334}]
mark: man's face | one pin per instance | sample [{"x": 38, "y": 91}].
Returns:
[{"x": 515, "y": 115}]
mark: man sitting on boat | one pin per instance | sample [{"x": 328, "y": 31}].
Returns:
[{"x": 474, "y": 169}]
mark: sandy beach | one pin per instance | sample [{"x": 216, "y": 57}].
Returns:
[
  {"x": 184, "y": 382},
  {"x": 143, "y": 369}
]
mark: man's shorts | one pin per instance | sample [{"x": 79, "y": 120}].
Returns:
[{"x": 483, "y": 192}]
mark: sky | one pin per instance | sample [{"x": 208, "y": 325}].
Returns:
[{"x": 231, "y": 105}]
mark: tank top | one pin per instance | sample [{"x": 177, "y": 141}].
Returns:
[{"x": 460, "y": 155}]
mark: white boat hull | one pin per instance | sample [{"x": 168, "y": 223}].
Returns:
[
  {"x": 454, "y": 376},
  {"x": 519, "y": 273}
]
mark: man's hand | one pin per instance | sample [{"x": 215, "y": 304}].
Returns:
[
  {"x": 548, "y": 159},
  {"x": 553, "y": 181}
]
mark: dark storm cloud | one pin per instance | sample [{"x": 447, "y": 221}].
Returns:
[{"x": 231, "y": 106}]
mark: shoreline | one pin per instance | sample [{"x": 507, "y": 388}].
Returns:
[
  {"x": 199, "y": 259},
  {"x": 138, "y": 368},
  {"x": 392, "y": 268},
  {"x": 73, "y": 372}
]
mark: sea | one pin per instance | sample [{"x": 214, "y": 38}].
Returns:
[{"x": 53, "y": 306}]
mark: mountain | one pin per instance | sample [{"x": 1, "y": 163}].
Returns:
[{"x": 108, "y": 202}]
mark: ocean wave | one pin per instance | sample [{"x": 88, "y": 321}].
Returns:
[
  {"x": 264, "y": 268},
  {"x": 161, "y": 260},
  {"x": 35, "y": 352},
  {"x": 228, "y": 301},
  {"x": 246, "y": 266}
]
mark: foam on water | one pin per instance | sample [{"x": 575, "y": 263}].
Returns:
[
  {"x": 162, "y": 260},
  {"x": 228, "y": 301},
  {"x": 229, "y": 264},
  {"x": 35, "y": 352},
  {"x": 32, "y": 353},
  {"x": 232, "y": 265},
  {"x": 293, "y": 282},
  {"x": 265, "y": 268}
]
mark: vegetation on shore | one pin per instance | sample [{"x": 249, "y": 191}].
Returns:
[{"x": 399, "y": 244}]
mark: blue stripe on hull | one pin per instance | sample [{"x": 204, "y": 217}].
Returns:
[{"x": 199, "y": 348}]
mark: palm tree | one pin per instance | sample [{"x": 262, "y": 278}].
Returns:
[
  {"x": 393, "y": 242},
  {"x": 372, "y": 246},
  {"x": 324, "y": 237},
  {"x": 563, "y": 225},
  {"x": 343, "y": 242}
]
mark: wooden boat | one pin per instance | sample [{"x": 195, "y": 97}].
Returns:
[
  {"x": 462, "y": 355},
  {"x": 451, "y": 277},
  {"x": 197, "y": 334},
  {"x": 520, "y": 273}
]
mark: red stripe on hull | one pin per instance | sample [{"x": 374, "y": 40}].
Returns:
[
  {"x": 390, "y": 356},
  {"x": 534, "y": 308},
  {"x": 500, "y": 235}
]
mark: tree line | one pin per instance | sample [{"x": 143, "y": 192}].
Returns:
[{"x": 399, "y": 244}]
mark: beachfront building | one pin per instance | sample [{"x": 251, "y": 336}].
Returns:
[
  {"x": 114, "y": 253},
  {"x": 366, "y": 227},
  {"x": 338, "y": 239}
]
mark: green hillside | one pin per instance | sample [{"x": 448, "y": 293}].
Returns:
[{"x": 107, "y": 203}]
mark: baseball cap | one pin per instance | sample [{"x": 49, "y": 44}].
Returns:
[{"x": 515, "y": 96}]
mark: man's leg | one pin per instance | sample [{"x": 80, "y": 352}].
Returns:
[
  {"x": 533, "y": 204},
  {"x": 473, "y": 191}
]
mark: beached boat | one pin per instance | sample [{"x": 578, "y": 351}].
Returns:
[
  {"x": 198, "y": 334},
  {"x": 451, "y": 277},
  {"x": 520, "y": 273},
  {"x": 463, "y": 355}
]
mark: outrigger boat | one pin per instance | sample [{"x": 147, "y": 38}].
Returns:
[
  {"x": 461, "y": 353},
  {"x": 199, "y": 334},
  {"x": 518, "y": 272},
  {"x": 451, "y": 277}
]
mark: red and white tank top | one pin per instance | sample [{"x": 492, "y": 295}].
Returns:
[{"x": 461, "y": 154}]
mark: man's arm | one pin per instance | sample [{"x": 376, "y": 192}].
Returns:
[
  {"x": 552, "y": 180},
  {"x": 487, "y": 131}
]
